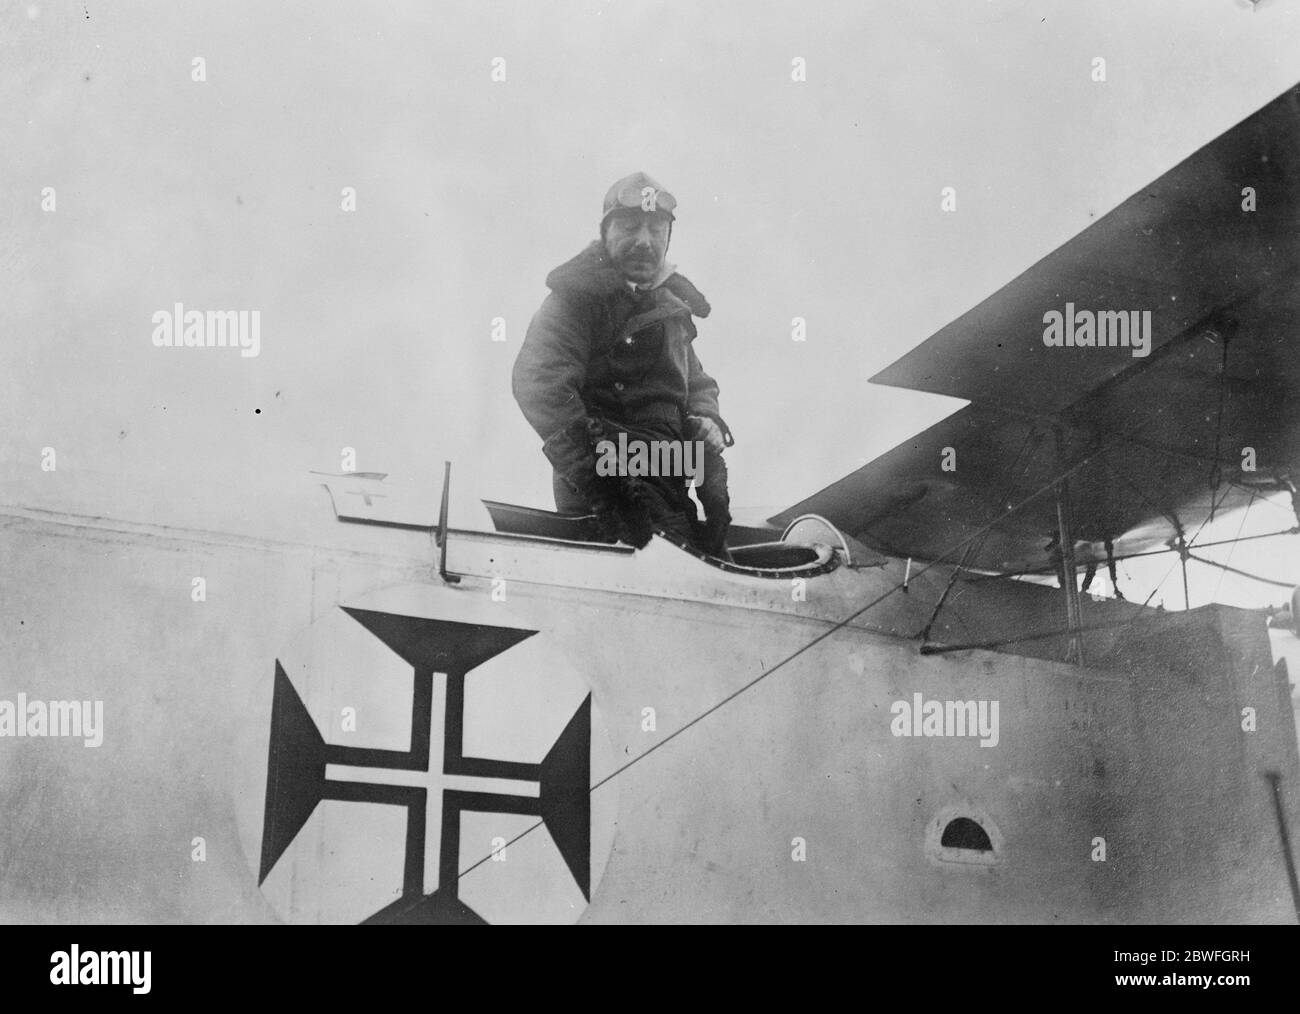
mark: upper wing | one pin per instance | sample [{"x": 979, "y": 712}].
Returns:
[{"x": 1149, "y": 443}]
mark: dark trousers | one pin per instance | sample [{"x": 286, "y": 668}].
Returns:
[{"x": 666, "y": 500}]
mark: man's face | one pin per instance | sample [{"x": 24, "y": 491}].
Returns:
[{"x": 636, "y": 242}]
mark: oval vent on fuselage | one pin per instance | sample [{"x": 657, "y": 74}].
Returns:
[{"x": 964, "y": 833}]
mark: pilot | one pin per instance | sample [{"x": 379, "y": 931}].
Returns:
[{"x": 610, "y": 352}]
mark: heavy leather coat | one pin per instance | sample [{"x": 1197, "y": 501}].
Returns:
[{"x": 597, "y": 350}]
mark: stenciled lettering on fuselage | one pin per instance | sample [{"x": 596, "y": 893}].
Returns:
[{"x": 359, "y": 864}]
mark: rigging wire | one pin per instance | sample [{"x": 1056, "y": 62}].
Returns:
[
  {"x": 974, "y": 546},
  {"x": 1205, "y": 459},
  {"x": 1045, "y": 571},
  {"x": 838, "y": 626},
  {"x": 1242, "y": 573},
  {"x": 963, "y": 544},
  {"x": 1183, "y": 552},
  {"x": 1216, "y": 471},
  {"x": 1231, "y": 549}
]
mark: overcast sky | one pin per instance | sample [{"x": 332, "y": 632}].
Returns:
[{"x": 818, "y": 199}]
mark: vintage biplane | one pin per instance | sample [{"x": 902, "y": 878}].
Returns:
[{"x": 893, "y": 703}]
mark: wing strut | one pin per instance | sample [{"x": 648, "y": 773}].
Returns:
[
  {"x": 1183, "y": 554},
  {"x": 1069, "y": 566},
  {"x": 1069, "y": 572}
]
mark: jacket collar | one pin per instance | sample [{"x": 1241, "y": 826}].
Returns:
[{"x": 592, "y": 273}]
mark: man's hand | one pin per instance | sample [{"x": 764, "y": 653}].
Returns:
[{"x": 709, "y": 431}]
